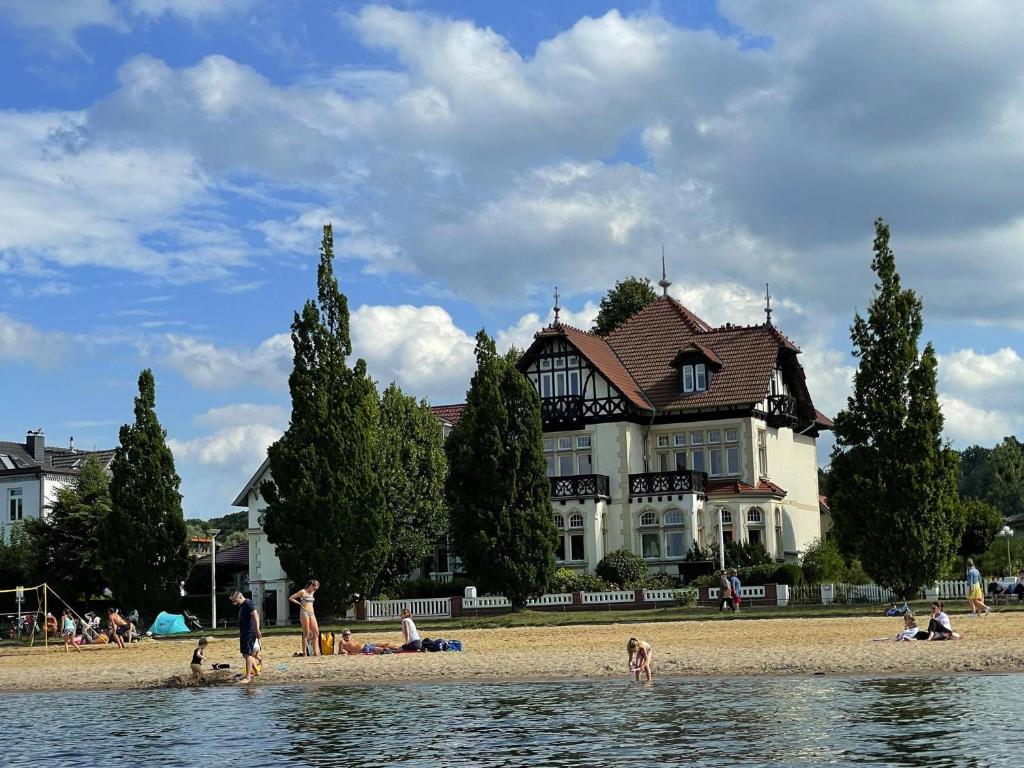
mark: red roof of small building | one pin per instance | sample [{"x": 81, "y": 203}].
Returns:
[
  {"x": 449, "y": 413},
  {"x": 228, "y": 557},
  {"x": 733, "y": 487}
]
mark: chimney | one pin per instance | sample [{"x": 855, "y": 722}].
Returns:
[
  {"x": 71, "y": 443},
  {"x": 35, "y": 442}
]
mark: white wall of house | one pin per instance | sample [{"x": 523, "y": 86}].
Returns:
[
  {"x": 26, "y": 488},
  {"x": 265, "y": 571}
]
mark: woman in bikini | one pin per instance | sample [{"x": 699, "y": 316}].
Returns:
[{"x": 307, "y": 618}]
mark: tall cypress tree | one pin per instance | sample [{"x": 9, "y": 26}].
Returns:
[
  {"x": 326, "y": 513},
  {"x": 413, "y": 468},
  {"x": 67, "y": 543},
  {"x": 498, "y": 489},
  {"x": 894, "y": 494},
  {"x": 145, "y": 556}
]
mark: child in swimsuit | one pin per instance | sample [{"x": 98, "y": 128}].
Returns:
[
  {"x": 67, "y": 631},
  {"x": 640, "y": 656},
  {"x": 197, "y": 659}
]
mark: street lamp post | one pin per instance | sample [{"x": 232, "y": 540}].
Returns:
[
  {"x": 1007, "y": 533},
  {"x": 213, "y": 576}
]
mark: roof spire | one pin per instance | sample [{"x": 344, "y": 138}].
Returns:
[
  {"x": 664, "y": 282},
  {"x": 767, "y": 306},
  {"x": 556, "y": 307}
]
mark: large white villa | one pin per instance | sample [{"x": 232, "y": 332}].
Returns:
[
  {"x": 32, "y": 472},
  {"x": 652, "y": 435}
]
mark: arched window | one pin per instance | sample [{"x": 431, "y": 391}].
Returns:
[
  {"x": 570, "y": 542},
  {"x": 673, "y": 517},
  {"x": 648, "y": 518},
  {"x": 726, "y": 517},
  {"x": 755, "y": 519}
]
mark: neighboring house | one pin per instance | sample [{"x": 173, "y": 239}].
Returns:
[
  {"x": 32, "y": 472},
  {"x": 667, "y": 425}
]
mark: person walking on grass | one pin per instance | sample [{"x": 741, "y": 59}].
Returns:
[
  {"x": 248, "y": 634},
  {"x": 975, "y": 594},
  {"x": 725, "y": 593},
  {"x": 734, "y": 582}
]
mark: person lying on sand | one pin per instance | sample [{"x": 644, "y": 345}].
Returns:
[
  {"x": 910, "y": 631},
  {"x": 352, "y": 647}
]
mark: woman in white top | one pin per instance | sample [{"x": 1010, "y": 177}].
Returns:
[
  {"x": 410, "y": 637},
  {"x": 939, "y": 627}
]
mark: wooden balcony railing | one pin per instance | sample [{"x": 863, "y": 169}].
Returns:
[
  {"x": 579, "y": 487},
  {"x": 680, "y": 481},
  {"x": 561, "y": 408}
]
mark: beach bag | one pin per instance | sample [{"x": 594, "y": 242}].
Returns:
[
  {"x": 454, "y": 645},
  {"x": 432, "y": 645},
  {"x": 327, "y": 643},
  {"x": 101, "y": 639}
]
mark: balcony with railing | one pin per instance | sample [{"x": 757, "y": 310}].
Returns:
[
  {"x": 561, "y": 408},
  {"x": 781, "y": 410},
  {"x": 579, "y": 487},
  {"x": 664, "y": 483}
]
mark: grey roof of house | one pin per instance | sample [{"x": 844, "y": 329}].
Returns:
[{"x": 14, "y": 457}]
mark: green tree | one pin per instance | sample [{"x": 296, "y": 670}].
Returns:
[
  {"x": 67, "y": 543},
  {"x": 1006, "y": 488},
  {"x": 623, "y": 301},
  {"x": 982, "y": 523},
  {"x": 498, "y": 490},
  {"x": 325, "y": 506},
  {"x": 822, "y": 562},
  {"x": 145, "y": 558},
  {"x": 16, "y": 557},
  {"x": 413, "y": 468},
  {"x": 975, "y": 472},
  {"x": 893, "y": 483}
]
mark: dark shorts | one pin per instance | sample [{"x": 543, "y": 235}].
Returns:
[
  {"x": 123, "y": 630},
  {"x": 247, "y": 644},
  {"x": 413, "y": 645}
]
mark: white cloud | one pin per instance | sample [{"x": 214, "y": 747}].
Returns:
[
  {"x": 965, "y": 370},
  {"x": 190, "y": 10},
  {"x": 22, "y": 342},
  {"x": 209, "y": 366},
  {"x": 241, "y": 445},
  {"x": 61, "y": 18},
  {"x": 969, "y": 423},
  {"x": 522, "y": 332},
  {"x": 242, "y": 414}
]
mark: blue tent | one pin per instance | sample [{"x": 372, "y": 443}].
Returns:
[{"x": 169, "y": 624}]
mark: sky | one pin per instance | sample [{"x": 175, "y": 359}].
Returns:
[{"x": 167, "y": 166}]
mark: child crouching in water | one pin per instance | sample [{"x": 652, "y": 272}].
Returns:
[
  {"x": 197, "y": 659},
  {"x": 640, "y": 657}
]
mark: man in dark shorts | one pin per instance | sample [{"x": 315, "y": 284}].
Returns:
[{"x": 248, "y": 633}]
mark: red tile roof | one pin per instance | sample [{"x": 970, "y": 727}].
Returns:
[
  {"x": 822, "y": 420},
  {"x": 603, "y": 357},
  {"x": 649, "y": 341},
  {"x": 733, "y": 487},
  {"x": 449, "y": 413}
]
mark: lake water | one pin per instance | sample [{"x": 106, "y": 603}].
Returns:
[{"x": 793, "y": 721}]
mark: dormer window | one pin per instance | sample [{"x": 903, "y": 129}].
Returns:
[{"x": 695, "y": 378}]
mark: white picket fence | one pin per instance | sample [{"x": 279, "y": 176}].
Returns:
[
  {"x": 669, "y": 595},
  {"x": 949, "y": 590},
  {"x": 427, "y": 607},
  {"x": 746, "y": 593},
  {"x": 607, "y": 598}
]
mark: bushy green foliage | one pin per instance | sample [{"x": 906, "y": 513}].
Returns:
[
  {"x": 623, "y": 301},
  {"x": 743, "y": 554},
  {"x": 568, "y": 580},
  {"x": 622, "y": 567},
  {"x": 67, "y": 543},
  {"x": 789, "y": 573},
  {"x": 995, "y": 475},
  {"x": 755, "y": 575},
  {"x": 983, "y": 522},
  {"x": 697, "y": 553},
  {"x": 145, "y": 558},
  {"x": 822, "y": 562},
  {"x": 16, "y": 558},
  {"x": 326, "y": 512},
  {"x": 412, "y": 471},
  {"x": 893, "y": 494},
  {"x": 498, "y": 489}
]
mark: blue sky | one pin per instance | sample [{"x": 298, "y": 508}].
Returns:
[{"x": 169, "y": 164}]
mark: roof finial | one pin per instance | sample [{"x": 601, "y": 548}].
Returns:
[
  {"x": 557, "y": 308},
  {"x": 768, "y": 305},
  {"x": 664, "y": 282}
]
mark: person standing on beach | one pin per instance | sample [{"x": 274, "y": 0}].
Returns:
[
  {"x": 640, "y": 657},
  {"x": 307, "y": 617},
  {"x": 248, "y": 633},
  {"x": 725, "y": 590},
  {"x": 975, "y": 595},
  {"x": 67, "y": 631},
  {"x": 734, "y": 582}
]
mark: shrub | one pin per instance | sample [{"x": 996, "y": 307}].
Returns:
[
  {"x": 745, "y": 554},
  {"x": 568, "y": 580},
  {"x": 822, "y": 562},
  {"x": 789, "y": 573},
  {"x": 659, "y": 581},
  {"x": 752, "y": 576},
  {"x": 622, "y": 567}
]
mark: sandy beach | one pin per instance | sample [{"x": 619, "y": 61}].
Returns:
[{"x": 730, "y": 647}]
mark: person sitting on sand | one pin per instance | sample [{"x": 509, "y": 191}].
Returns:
[
  {"x": 352, "y": 647},
  {"x": 410, "y": 636},
  {"x": 119, "y": 628},
  {"x": 910, "y": 629},
  {"x": 67, "y": 631},
  {"x": 197, "y": 659},
  {"x": 939, "y": 627},
  {"x": 641, "y": 655}
]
